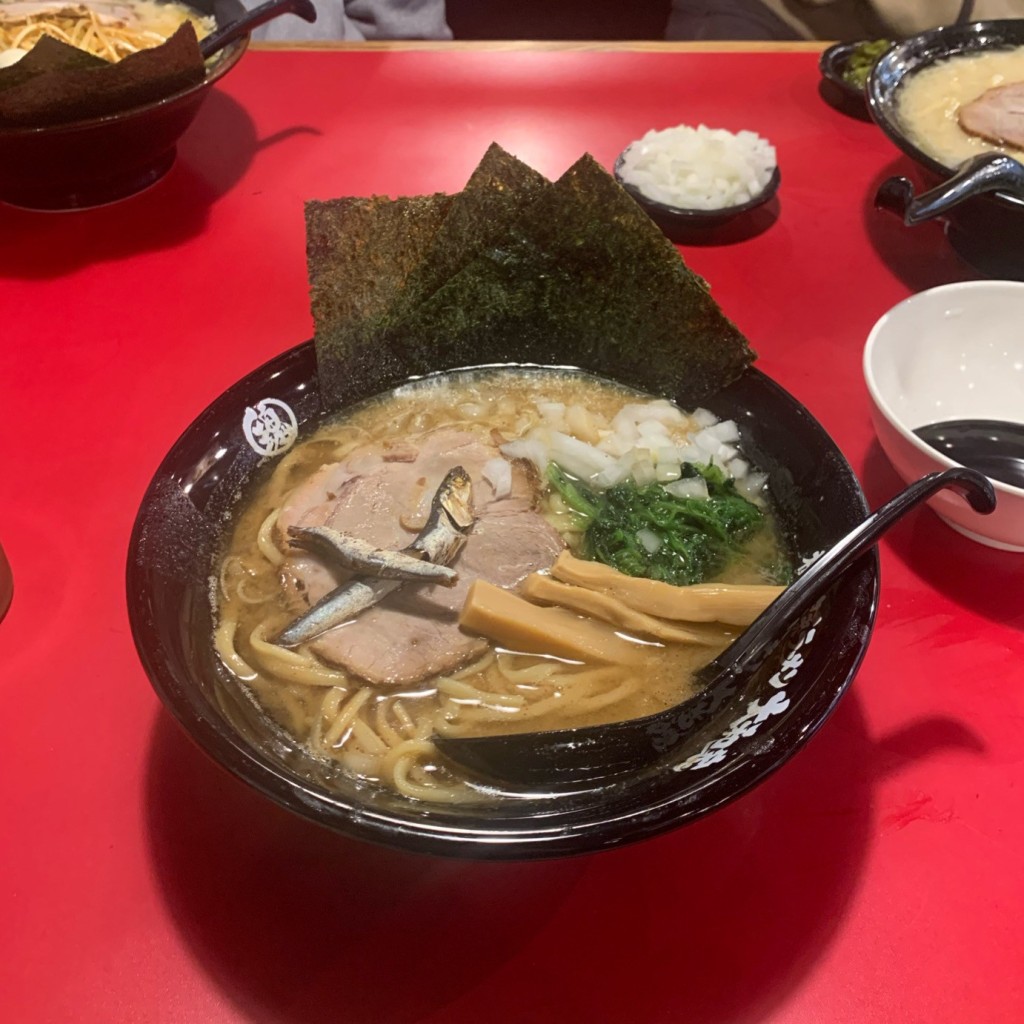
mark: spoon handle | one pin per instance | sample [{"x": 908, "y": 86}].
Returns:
[
  {"x": 253, "y": 19},
  {"x": 750, "y": 647},
  {"x": 966, "y": 13}
]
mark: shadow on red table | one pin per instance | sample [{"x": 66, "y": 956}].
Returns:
[
  {"x": 971, "y": 574},
  {"x": 213, "y": 155},
  {"x": 920, "y": 256},
  {"x": 718, "y": 921},
  {"x": 745, "y": 227}
]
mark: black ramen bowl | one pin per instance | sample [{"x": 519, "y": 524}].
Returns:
[
  {"x": 181, "y": 526},
  {"x": 685, "y": 225},
  {"x": 982, "y": 204},
  {"x": 89, "y": 163}
]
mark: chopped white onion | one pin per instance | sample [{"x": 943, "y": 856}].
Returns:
[
  {"x": 699, "y": 168},
  {"x": 752, "y": 485},
  {"x": 649, "y": 541},
  {"x": 531, "y": 449},
  {"x": 726, "y": 431},
  {"x": 498, "y": 473},
  {"x": 644, "y": 473},
  {"x": 577, "y": 457},
  {"x": 690, "y": 487}
]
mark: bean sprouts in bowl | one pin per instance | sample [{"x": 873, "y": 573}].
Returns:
[{"x": 186, "y": 520}]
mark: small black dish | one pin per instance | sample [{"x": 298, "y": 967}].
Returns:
[
  {"x": 681, "y": 225},
  {"x": 981, "y": 202},
  {"x": 836, "y": 90},
  {"x": 180, "y": 528},
  {"x": 90, "y": 163}
]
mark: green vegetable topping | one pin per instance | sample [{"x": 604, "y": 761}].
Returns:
[
  {"x": 862, "y": 60},
  {"x": 646, "y": 531}
]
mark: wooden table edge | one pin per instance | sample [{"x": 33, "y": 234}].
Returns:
[{"x": 633, "y": 46}]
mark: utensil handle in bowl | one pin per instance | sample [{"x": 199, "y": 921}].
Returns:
[
  {"x": 749, "y": 649},
  {"x": 987, "y": 172},
  {"x": 966, "y": 13},
  {"x": 257, "y": 16}
]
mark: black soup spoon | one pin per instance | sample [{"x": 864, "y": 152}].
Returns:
[
  {"x": 594, "y": 753},
  {"x": 257, "y": 16},
  {"x": 995, "y": 447}
]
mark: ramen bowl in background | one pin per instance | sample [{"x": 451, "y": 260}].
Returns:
[
  {"x": 983, "y": 209},
  {"x": 103, "y": 159},
  {"x": 955, "y": 352},
  {"x": 181, "y": 528}
]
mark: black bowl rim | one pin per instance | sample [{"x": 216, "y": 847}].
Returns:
[
  {"x": 547, "y": 838},
  {"x": 696, "y": 218},
  {"x": 878, "y": 99},
  {"x": 228, "y": 58},
  {"x": 831, "y": 62}
]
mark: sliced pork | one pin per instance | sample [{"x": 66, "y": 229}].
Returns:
[
  {"x": 996, "y": 115},
  {"x": 382, "y": 497}
]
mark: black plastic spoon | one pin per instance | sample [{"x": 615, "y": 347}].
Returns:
[
  {"x": 571, "y": 756},
  {"x": 257, "y": 16},
  {"x": 994, "y": 447}
]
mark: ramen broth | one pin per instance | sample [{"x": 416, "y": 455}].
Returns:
[
  {"x": 383, "y": 733},
  {"x": 930, "y": 99},
  {"x": 110, "y": 30}
]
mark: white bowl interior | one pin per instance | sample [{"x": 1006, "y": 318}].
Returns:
[{"x": 953, "y": 352}]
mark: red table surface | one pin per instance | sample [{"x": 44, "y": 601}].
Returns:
[{"x": 876, "y": 877}]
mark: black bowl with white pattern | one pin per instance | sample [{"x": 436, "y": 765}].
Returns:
[{"x": 180, "y": 528}]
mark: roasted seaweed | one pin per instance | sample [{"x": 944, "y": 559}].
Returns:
[
  {"x": 578, "y": 275},
  {"x": 50, "y": 86},
  {"x": 360, "y": 254}
]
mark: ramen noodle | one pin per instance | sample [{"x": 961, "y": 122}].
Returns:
[
  {"x": 108, "y": 30},
  {"x": 381, "y": 732}
]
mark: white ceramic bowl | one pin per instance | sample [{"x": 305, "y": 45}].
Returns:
[{"x": 953, "y": 352}]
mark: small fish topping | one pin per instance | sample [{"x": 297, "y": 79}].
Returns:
[
  {"x": 360, "y": 557},
  {"x": 439, "y": 542}
]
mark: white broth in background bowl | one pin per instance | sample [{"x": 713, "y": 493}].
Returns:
[{"x": 930, "y": 102}]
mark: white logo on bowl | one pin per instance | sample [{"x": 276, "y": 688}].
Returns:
[
  {"x": 270, "y": 427},
  {"x": 757, "y": 713}
]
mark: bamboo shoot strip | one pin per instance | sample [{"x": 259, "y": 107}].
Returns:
[
  {"x": 518, "y": 625},
  {"x": 736, "y": 604},
  {"x": 601, "y": 605}
]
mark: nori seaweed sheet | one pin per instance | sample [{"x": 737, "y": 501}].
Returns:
[
  {"x": 499, "y": 190},
  {"x": 78, "y": 90},
  {"x": 48, "y": 54},
  {"x": 360, "y": 253},
  {"x": 583, "y": 278}
]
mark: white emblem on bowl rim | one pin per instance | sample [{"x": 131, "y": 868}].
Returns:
[
  {"x": 757, "y": 712},
  {"x": 270, "y": 426}
]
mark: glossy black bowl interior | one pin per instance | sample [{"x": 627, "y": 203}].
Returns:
[
  {"x": 180, "y": 528},
  {"x": 843, "y": 95},
  {"x": 912, "y": 55},
  {"x": 103, "y": 159},
  {"x": 832, "y": 65},
  {"x": 681, "y": 225}
]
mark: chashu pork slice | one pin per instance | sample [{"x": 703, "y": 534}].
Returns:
[
  {"x": 382, "y": 497},
  {"x": 997, "y": 115}
]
